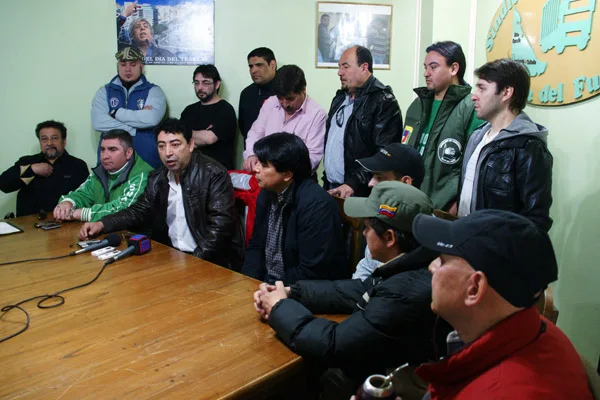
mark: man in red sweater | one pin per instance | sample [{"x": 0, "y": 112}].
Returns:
[{"x": 493, "y": 267}]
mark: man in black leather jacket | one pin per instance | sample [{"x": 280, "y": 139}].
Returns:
[
  {"x": 364, "y": 117},
  {"x": 507, "y": 165},
  {"x": 187, "y": 204}
]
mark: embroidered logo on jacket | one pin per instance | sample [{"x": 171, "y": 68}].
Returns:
[
  {"x": 449, "y": 151},
  {"x": 140, "y": 104},
  {"x": 114, "y": 102}
]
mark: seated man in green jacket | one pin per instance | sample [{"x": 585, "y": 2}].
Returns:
[{"x": 113, "y": 185}]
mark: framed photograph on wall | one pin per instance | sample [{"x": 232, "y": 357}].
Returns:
[
  {"x": 168, "y": 32},
  {"x": 342, "y": 25}
]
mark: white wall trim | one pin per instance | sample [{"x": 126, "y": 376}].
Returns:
[
  {"x": 471, "y": 51},
  {"x": 417, "y": 68}
]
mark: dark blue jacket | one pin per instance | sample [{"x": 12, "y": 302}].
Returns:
[
  {"x": 144, "y": 142},
  {"x": 391, "y": 322},
  {"x": 313, "y": 247}
]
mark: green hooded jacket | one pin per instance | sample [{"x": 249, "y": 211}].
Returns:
[{"x": 443, "y": 153}]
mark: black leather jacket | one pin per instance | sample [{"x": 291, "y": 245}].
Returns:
[
  {"x": 376, "y": 121},
  {"x": 209, "y": 211},
  {"x": 514, "y": 171}
]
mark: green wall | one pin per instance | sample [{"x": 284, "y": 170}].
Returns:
[{"x": 56, "y": 54}]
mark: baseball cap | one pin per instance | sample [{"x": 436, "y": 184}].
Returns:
[
  {"x": 392, "y": 202},
  {"x": 129, "y": 54},
  {"x": 396, "y": 157},
  {"x": 517, "y": 258}
]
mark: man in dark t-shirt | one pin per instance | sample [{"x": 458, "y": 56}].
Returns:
[
  {"x": 212, "y": 120},
  {"x": 263, "y": 68}
]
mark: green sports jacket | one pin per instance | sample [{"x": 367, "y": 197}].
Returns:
[{"x": 103, "y": 193}]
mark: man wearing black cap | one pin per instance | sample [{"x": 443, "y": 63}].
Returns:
[
  {"x": 394, "y": 162},
  {"x": 493, "y": 267},
  {"x": 131, "y": 103},
  {"x": 391, "y": 318}
]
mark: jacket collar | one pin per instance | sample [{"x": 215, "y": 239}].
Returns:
[
  {"x": 60, "y": 159},
  {"x": 103, "y": 174},
  {"x": 455, "y": 93},
  {"x": 499, "y": 342},
  {"x": 371, "y": 85},
  {"x": 116, "y": 81},
  {"x": 416, "y": 259}
]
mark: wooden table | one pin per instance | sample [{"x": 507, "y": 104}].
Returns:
[{"x": 161, "y": 325}]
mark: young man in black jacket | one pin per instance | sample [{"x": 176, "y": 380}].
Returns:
[
  {"x": 297, "y": 229},
  {"x": 263, "y": 67},
  {"x": 507, "y": 165},
  {"x": 391, "y": 321}
]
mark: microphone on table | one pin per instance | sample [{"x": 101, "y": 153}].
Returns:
[
  {"x": 138, "y": 245},
  {"x": 110, "y": 240}
]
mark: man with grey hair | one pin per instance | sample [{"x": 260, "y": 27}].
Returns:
[{"x": 141, "y": 36}]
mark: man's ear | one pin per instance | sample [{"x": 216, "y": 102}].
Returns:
[
  {"x": 454, "y": 69},
  {"x": 477, "y": 287},
  {"x": 390, "y": 238},
  {"x": 507, "y": 93},
  {"x": 217, "y": 86},
  {"x": 407, "y": 179},
  {"x": 129, "y": 153},
  {"x": 288, "y": 176}
]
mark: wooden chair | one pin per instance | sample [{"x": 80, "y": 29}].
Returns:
[
  {"x": 352, "y": 227},
  {"x": 545, "y": 305}
]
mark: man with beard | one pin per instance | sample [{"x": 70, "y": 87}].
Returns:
[
  {"x": 188, "y": 203},
  {"x": 212, "y": 119},
  {"x": 263, "y": 67},
  {"x": 142, "y": 38},
  {"x": 364, "y": 117},
  {"x": 131, "y": 103},
  {"x": 42, "y": 178}
]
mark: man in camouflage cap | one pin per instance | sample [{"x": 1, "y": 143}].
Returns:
[{"x": 131, "y": 103}]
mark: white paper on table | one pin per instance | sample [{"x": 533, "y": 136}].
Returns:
[{"x": 6, "y": 228}]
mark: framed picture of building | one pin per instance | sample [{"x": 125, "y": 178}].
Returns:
[
  {"x": 342, "y": 25},
  {"x": 168, "y": 32}
]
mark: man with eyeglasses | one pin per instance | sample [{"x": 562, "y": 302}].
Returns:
[
  {"x": 42, "y": 178},
  {"x": 364, "y": 117},
  {"x": 212, "y": 119},
  {"x": 131, "y": 103}
]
